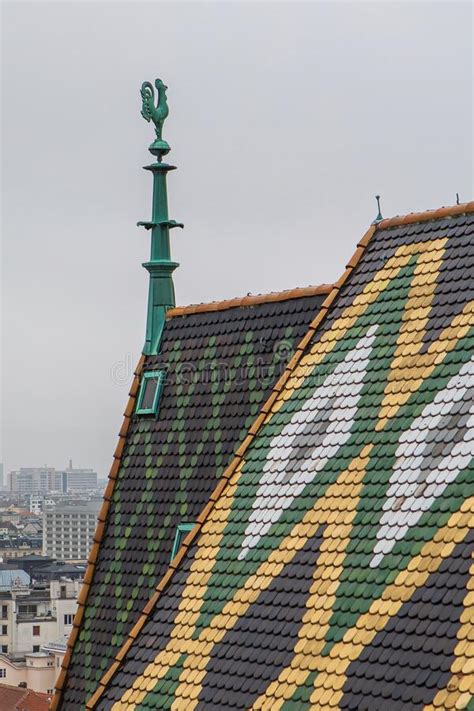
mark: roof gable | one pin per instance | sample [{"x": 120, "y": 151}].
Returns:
[
  {"x": 359, "y": 481},
  {"x": 221, "y": 362}
]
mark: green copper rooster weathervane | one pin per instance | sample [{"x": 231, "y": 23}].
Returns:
[
  {"x": 157, "y": 113},
  {"x": 160, "y": 266}
]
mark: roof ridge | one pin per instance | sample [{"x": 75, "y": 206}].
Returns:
[
  {"x": 436, "y": 214},
  {"x": 23, "y": 697},
  {"x": 21, "y": 688},
  {"x": 222, "y": 484},
  {"x": 250, "y": 300}
]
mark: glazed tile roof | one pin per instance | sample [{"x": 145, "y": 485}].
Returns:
[
  {"x": 333, "y": 566},
  {"x": 222, "y": 360}
]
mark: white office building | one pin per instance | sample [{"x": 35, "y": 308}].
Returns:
[
  {"x": 76, "y": 480},
  {"x": 68, "y": 531},
  {"x": 32, "y": 480}
]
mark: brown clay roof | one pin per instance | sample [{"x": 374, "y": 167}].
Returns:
[{"x": 15, "y": 698}]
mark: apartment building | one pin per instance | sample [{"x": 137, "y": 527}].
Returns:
[
  {"x": 33, "y": 615},
  {"x": 68, "y": 530},
  {"x": 33, "y": 480},
  {"x": 36, "y": 671},
  {"x": 20, "y": 548},
  {"x": 35, "y": 621},
  {"x": 38, "y": 502}
]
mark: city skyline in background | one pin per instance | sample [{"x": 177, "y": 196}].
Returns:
[
  {"x": 42, "y": 479},
  {"x": 283, "y": 131},
  {"x": 48, "y": 518}
]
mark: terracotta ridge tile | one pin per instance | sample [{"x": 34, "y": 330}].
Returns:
[
  {"x": 83, "y": 593},
  {"x": 125, "y": 426},
  {"x": 109, "y": 489},
  {"x": 437, "y": 214},
  {"x": 355, "y": 258},
  {"x": 223, "y": 482},
  {"x": 119, "y": 448},
  {"x": 102, "y": 515},
  {"x": 99, "y": 532},
  {"x": 250, "y": 300}
]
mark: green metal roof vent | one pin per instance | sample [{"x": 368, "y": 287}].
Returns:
[{"x": 160, "y": 266}]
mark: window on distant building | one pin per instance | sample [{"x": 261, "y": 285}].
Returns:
[
  {"x": 181, "y": 532},
  {"x": 36, "y": 630},
  {"x": 36, "y": 648},
  {"x": 68, "y": 619},
  {"x": 3, "y": 673},
  {"x": 4, "y": 629},
  {"x": 4, "y": 648},
  {"x": 4, "y": 612},
  {"x": 150, "y": 392}
]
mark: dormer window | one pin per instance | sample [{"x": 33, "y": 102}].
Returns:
[
  {"x": 182, "y": 531},
  {"x": 149, "y": 395}
]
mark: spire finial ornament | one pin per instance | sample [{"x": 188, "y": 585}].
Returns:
[
  {"x": 379, "y": 213},
  {"x": 157, "y": 114},
  {"x": 160, "y": 265}
]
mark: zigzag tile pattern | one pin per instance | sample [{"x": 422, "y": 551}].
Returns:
[
  {"x": 220, "y": 367},
  {"x": 368, "y": 448}
]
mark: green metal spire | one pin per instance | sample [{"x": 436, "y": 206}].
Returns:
[{"x": 160, "y": 266}]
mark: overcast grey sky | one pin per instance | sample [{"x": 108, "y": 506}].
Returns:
[{"x": 285, "y": 120}]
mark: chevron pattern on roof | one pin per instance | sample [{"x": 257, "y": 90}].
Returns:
[{"x": 335, "y": 569}]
